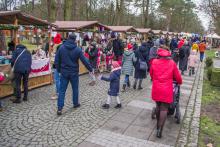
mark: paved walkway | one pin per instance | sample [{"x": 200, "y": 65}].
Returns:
[{"x": 35, "y": 123}]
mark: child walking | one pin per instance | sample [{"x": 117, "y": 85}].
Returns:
[
  {"x": 114, "y": 80},
  {"x": 193, "y": 59}
]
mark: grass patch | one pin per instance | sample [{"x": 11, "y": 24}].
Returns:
[
  {"x": 209, "y": 126},
  {"x": 209, "y": 132}
]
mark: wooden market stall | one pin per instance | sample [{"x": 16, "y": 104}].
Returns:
[
  {"x": 145, "y": 32},
  {"x": 123, "y": 30},
  {"x": 157, "y": 32},
  {"x": 41, "y": 72},
  {"x": 92, "y": 27}
]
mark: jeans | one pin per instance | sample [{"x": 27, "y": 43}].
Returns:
[
  {"x": 201, "y": 56},
  {"x": 126, "y": 81},
  {"x": 57, "y": 81},
  {"x": 64, "y": 81},
  {"x": 18, "y": 78}
]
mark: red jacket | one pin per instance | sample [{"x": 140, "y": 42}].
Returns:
[{"x": 163, "y": 71}]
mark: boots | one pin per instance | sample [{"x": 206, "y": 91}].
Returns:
[
  {"x": 123, "y": 88},
  {"x": 159, "y": 132},
  {"x": 129, "y": 85}
]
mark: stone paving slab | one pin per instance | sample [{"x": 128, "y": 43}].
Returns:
[{"x": 111, "y": 139}]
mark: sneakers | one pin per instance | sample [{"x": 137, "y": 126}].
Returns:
[
  {"x": 118, "y": 106},
  {"x": 54, "y": 97},
  {"x": 76, "y": 106},
  {"x": 59, "y": 112},
  {"x": 123, "y": 88},
  {"x": 105, "y": 106}
]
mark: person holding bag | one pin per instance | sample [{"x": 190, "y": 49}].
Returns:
[
  {"x": 140, "y": 65},
  {"x": 21, "y": 67}
]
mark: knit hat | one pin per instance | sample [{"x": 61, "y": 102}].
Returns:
[
  {"x": 115, "y": 64},
  {"x": 129, "y": 46}
]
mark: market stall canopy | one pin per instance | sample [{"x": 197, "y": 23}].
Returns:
[
  {"x": 9, "y": 17},
  {"x": 122, "y": 28},
  {"x": 143, "y": 30},
  {"x": 170, "y": 33},
  {"x": 77, "y": 25},
  {"x": 214, "y": 36},
  {"x": 157, "y": 31},
  {"x": 165, "y": 32}
]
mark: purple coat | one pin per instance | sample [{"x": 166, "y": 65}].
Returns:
[{"x": 114, "y": 79}]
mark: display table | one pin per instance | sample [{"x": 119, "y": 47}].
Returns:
[{"x": 40, "y": 75}]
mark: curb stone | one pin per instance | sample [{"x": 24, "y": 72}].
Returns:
[{"x": 188, "y": 136}]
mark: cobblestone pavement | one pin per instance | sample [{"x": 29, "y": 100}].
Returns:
[{"x": 35, "y": 123}]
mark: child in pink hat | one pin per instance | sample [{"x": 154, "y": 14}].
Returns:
[{"x": 114, "y": 80}]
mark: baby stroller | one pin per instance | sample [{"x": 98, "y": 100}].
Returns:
[{"x": 174, "y": 107}]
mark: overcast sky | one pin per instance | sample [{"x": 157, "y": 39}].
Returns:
[{"x": 203, "y": 17}]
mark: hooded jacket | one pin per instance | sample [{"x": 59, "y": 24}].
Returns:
[
  {"x": 163, "y": 72},
  {"x": 67, "y": 59},
  {"x": 127, "y": 62},
  {"x": 23, "y": 64},
  {"x": 114, "y": 80}
]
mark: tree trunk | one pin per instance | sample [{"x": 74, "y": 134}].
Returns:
[
  {"x": 49, "y": 10},
  {"x": 2, "y": 41},
  {"x": 67, "y": 9},
  {"x": 146, "y": 14},
  {"x": 59, "y": 10},
  {"x": 74, "y": 16}
]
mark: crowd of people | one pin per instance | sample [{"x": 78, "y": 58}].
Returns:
[{"x": 160, "y": 57}]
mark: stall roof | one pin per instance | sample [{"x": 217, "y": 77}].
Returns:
[
  {"x": 214, "y": 35},
  {"x": 157, "y": 31},
  {"x": 121, "y": 28},
  {"x": 76, "y": 25},
  {"x": 165, "y": 32},
  {"x": 8, "y": 17},
  {"x": 143, "y": 30},
  {"x": 170, "y": 33}
]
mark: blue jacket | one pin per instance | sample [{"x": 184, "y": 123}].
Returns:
[
  {"x": 67, "y": 59},
  {"x": 114, "y": 80},
  {"x": 23, "y": 64}
]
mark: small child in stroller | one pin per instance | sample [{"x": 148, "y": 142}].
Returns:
[{"x": 174, "y": 107}]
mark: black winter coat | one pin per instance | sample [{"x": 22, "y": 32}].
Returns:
[
  {"x": 93, "y": 56},
  {"x": 141, "y": 54},
  {"x": 118, "y": 47}
]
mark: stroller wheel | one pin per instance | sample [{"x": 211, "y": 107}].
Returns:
[
  {"x": 153, "y": 113},
  {"x": 178, "y": 119}
]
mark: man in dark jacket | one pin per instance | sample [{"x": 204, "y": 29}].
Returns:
[
  {"x": 118, "y": 48},
  {"x": 21, "y": 61},
  {"x": 67, "y": 63}
]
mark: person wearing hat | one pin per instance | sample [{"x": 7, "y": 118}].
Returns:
[
  {"x": 128, "y": 61},
  {"x": 67, "y": 64},
  {"x": 114, "y": 80},
  {"x": 163, "y": 72}
]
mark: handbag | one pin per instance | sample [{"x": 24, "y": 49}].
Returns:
[
  {"x": 143, "y": 64},
  {"x": 11, "y": 74}
]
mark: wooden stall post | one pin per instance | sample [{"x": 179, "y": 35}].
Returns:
[
  {"x": 15, "y": 31},
  {"x": 49, "y": 38}
]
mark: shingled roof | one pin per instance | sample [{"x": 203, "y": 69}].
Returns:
[
  {"x": 143, "y": 30},
  {"x": 157, "y": 31},
  {"x": 121, "y": 28},
  {"x": 76, "y": 25},
  {"x": 8, "y": 17}
]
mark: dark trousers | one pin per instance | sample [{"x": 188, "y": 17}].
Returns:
[
  {"x": 64, "y": 81},
  {"x": 24, "y": 78},
  {"x": 201, "y": 56}
]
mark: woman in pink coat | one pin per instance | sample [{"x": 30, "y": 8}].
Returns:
[{"x": 163, "y": 72}]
